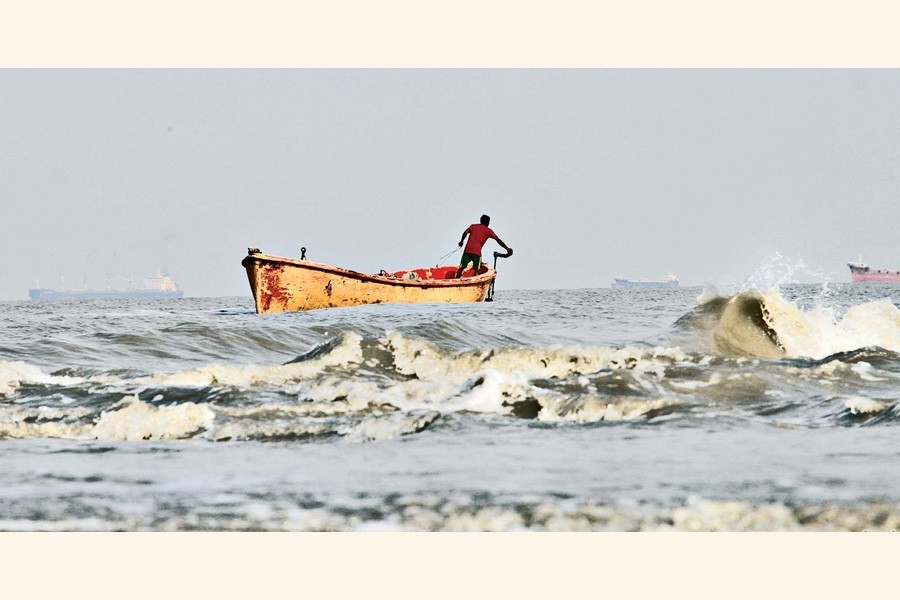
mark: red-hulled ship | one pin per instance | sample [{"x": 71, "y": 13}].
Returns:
[{"x": 861, "y": 272}]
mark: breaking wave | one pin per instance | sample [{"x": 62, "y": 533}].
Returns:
[{"x": 766, "y": 325}]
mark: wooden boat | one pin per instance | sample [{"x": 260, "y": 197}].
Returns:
[{"x": 287, "y": 284}]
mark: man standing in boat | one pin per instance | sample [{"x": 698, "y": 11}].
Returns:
[{"x": 478, "y": 233}]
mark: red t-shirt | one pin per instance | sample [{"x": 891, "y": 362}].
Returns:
[{"x": 478, "y": 235}]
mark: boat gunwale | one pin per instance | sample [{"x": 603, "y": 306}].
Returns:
[{"x": 485, "y": 277}]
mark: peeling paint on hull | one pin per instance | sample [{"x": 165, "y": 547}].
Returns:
[{"x": 283, "y": 284}]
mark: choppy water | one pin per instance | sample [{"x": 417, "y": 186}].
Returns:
[{"x": 546, "y": 410}]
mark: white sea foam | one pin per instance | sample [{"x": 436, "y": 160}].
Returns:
[
  {"x": 133, "y": 419},
  {"x": 474, "y": 381},
  {"x": 492, "y": 392},
  {"x": 494, "y": 381},
  {"x": 860, "y": 405},
  {"x": 275, "y": 426},
  {"x": 387, "y": 427},
  {"x": 819, "y": 332},
  {"x": 22, "y": 424},
  {"x": 426, "y": 361},
  {"x": 13, "y": 374},
  {"x": 734, "y": 516},
  {"x": 130, "y": 419},
  {"x": 864, "y": 371},
  {"x": 412, "y": 513},
  {"x": 590, "y": 409},
  {"x": 714, "y": 379}
]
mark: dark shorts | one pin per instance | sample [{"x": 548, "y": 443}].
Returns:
[{"x": 475, "y": 259}]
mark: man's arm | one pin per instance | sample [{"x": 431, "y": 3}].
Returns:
[
  {"x": 465, "y": 233},
  {"x": 499, "y": 241}
]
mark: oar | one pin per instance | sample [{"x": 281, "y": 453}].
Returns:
[{"x": 490, "y": 294}]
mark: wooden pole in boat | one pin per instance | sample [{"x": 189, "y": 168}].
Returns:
[{"x": 490, "y": 294}]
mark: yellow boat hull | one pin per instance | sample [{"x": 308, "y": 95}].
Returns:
[{"x": 285, "y": 284}]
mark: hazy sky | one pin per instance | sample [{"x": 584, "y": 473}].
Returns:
[{"x": 587, "y": 174}]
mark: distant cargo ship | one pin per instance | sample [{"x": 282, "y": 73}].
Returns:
[
  {"x": 160, "y": 286},
  {"x": 861, "y": 272},
  {"x": 670, "y": 281}
]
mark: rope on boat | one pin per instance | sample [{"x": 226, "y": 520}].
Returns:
[{"x": 438, "y": 263}]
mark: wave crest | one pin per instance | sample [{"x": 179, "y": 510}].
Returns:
[{"x": 766, "y": 325}]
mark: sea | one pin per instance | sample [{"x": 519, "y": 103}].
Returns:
[{"x": 766, "y": 408}]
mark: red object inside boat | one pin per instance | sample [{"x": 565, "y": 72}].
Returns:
[{"x": 448, "y": 272}]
